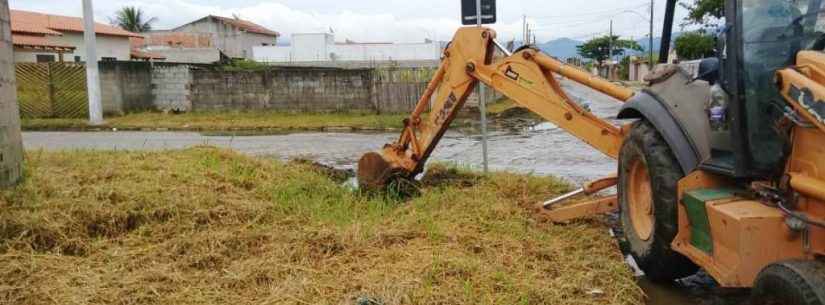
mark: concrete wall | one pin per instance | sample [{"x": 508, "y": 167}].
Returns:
[
  {"x": 284, "y": 89},
  {"x": 107, "y": 46},
  {"x": 386, "y": 52},
  {"x": 189, "y": 55},
  {"x": 11, "y": 145},
  {"x": 126, "y": 87},
  {"x": 171, "y": 87}
]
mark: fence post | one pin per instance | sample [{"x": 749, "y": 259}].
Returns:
[
  {"x": 52, "y": 99},
  {"x": 11, "y": 144}
]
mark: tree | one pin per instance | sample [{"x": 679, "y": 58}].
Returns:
[
  {"x": 695, "y": 45},
  {"x": 132, "y": 19},
  {"x": 598, "y": 49},
  {"x": 704, "y": 12}
]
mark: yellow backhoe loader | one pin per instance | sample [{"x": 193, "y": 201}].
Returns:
[{"x": 723, "y": 171}]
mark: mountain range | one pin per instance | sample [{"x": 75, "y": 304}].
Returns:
[{"x": 565, "y": 48}]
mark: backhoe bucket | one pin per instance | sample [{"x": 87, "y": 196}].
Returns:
[{"x": 374, "y": 173}]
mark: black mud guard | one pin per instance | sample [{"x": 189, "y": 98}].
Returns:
[{"x": 645, "y": 106}]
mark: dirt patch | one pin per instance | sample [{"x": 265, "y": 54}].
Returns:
[{"x": 336, "y": 174}]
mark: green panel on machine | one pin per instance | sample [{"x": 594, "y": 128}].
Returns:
[{"x": 697, "y": 213}]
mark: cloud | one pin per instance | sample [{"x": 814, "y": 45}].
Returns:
[{"x": 367, "y": 20}]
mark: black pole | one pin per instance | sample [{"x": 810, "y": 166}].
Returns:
[{"x": 667, "y": 30}]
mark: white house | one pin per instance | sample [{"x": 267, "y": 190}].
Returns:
[
  {"x": 321, "y": 47},
  {"x": 39, "y": 37}
]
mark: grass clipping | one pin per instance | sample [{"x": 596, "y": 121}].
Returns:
[{"x": 208, "y": 226}]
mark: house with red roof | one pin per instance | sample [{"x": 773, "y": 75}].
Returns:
[
  {"x": 39, "y": 37},
  {"x": 231, "y": 37}
]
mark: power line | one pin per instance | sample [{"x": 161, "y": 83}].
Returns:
[{"x": 604, "y": 12}]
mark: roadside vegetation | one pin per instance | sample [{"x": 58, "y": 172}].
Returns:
[
  {"x": 262, "y": 121},
  {"x": 228, "y": 121},
  {"x": 209, "y": 226}
]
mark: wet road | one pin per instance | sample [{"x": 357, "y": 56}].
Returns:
[{"x": 542, "y": 150}]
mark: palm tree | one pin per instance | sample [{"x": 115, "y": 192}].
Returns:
[{"x": 132, "y": 19}]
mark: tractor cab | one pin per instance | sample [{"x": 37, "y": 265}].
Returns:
[{"x": 759, "y": 37}]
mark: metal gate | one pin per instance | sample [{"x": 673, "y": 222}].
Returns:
[{"x": 51, "y": 90}]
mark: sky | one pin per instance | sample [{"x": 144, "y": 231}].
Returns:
[{"x": 390, "y": 20}]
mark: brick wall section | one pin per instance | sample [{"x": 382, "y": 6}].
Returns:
[
  {"x": 171, "y": 87},
  {"x": 11, "y": 146},
  {"x": 283, "y": 89}
]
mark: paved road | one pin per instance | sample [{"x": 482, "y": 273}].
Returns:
[{"x": 543, "y": 150}]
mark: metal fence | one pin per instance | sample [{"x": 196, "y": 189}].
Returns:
[{"x": 51, "y": 90}]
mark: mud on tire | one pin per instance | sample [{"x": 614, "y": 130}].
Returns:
[{"x": 654, "y": 254}]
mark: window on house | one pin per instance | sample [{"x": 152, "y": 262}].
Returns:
[
  {"x": 77, "y": 59},
  {"x": 108, "y": 59},
  {"x": 45, "y": 58}
]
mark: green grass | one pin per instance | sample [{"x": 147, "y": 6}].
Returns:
[
  {"x": 209, "y": 226},
  {"x": 501, "y": 106},
  {"x": 229, "y": 121}
]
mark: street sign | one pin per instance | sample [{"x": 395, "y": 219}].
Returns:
[{"x": 469, "y": 12}]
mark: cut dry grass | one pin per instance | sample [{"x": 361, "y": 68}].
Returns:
[
  {"x": 207, "y": 226},
  {"x": 229, "y": 121}
]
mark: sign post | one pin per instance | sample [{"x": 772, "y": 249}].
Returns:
[{"x": 480, "y": 12}]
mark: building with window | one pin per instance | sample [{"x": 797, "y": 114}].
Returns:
[
  {"x": 39, "y": 37},
  {"x": 209, "y": 38}
]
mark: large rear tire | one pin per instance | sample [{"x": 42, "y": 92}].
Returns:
[
  {"x": 648, "y": 177},
  {"x": 796, "y": 282}
]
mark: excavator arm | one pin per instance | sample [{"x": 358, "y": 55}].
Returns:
[{"x": 526, "y": 77}]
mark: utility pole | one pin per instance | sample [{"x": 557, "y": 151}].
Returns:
[
  {"x": 650, "y": 46},
  {"x": 92, "y": 75},
  {"x": 524, "y": 29},
  {"x": 482, "y": 103},
  {"x": 610, "y": 51},
  {"x": 11, "y": 144}
]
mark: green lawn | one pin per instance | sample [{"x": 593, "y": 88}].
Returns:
[{"x": 209, "y": 226}]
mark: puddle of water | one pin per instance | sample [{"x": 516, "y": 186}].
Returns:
[{"x": 661, "y": 294}]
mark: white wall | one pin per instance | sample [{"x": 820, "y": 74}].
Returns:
[
  {"x": 386, "y": 52},
  {"x": 311, "y": 47},
  {"x": 107, "y": 46},
  {"x": 188, "y": 55},
  {"x": 272, "y": 54},
  {"x": 322, "y": 47}
]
